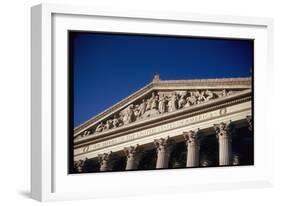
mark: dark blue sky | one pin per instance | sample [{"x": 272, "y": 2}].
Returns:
[{"x": 109, "y": 67}]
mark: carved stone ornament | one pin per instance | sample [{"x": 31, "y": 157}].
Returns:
[
  {"x": 163, "y": 144},
  {"x": 192, "y": 137},
  {"x": 224, "y": 130},
  {"x": 157, "y": 103},
  {"x": 105, "y": 158},
  {"x": 79, "y": 165},
  {"x": 132, "y": 151}
]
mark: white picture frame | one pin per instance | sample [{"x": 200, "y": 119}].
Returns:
[{"x": 49, "y": 178}]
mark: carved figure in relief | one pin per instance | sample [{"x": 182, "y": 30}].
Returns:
[
  {"x": 162, "y": 104},
  {"x": 108, "y": 125},
  {"x": 154, "y": 102},
  {"x": 182, "y": 101},
  {"x": 150, "y": 101},
  {"x": 198, "y": 96},
  {"x": 209, "y": 95},
  {"x": 223, "y": 93},
  {"x": 157, "y": 103},
  {"x": 128, "y": 115},
  {"x": 115, "y": 122},
  {"x": 172, "y": 104},
  {"x": 187, "y": 104},
  {"x": 192, "y": 99},
  {"x": 142, "y": 108},
  {"x": 137, "y": 111},
  {"x": 100, "y": 127},
  {"x": 201, "y": 97},
  {"x": 86, "y": 133},
  {"x": 120, "y": 121}
]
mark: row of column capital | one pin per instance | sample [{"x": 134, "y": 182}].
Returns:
[{"x": 223, "y": 130}]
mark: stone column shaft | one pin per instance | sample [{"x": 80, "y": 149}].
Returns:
[
  {"x": 192, "y": 156},
  {"x": 193, "y": 148},
  {"x": 105, "y": 161},
  {"x": 224, "y": 135},
  {"x": 163, "y": 146},
  {"x": 162, "y": 159},
  {"x": 133, "y": 157},
  {"x": 225, "y": 151},
  {"x": 132, "y": 164}
]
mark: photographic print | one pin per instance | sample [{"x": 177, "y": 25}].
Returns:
[{"x": 147, "y": 102}]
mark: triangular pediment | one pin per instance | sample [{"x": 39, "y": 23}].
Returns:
[{"x": 160, "y": 98}]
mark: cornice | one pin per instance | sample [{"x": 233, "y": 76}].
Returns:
[{"x": 241, "y": 81}]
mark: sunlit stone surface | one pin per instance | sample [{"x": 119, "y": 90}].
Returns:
[{"x": 170, "y": 124}]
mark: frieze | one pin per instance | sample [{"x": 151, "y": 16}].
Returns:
[
  {"x": 228, "y": 83},
  {"x": 155, "y": 104}
]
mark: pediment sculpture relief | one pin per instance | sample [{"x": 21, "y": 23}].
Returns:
[{"x": 157, "y": 103}]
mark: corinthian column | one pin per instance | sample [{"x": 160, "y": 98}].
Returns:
[
  {"x": 105, "y": 161},
  {"x": 223, "y": 132},
  {"x": 193, "y": 147},
  {"x": 163, "y": 146},
  {"x": 79, "y": 165},
  {"x": 133, "y": 156}
]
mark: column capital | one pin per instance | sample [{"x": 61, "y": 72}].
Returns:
[
  {"x": 192, "y": 136},
  {"x": 132, "y": 151},
  {"x": 163, "y": 144},
  {"x": 224, "y": 134},
  {"x": 192, "y": 142},
  {"x": 105, "y": 158},
  {"x": 79, "y": 165},
  {"x": 133, "y": 157},
  {"x": 224, "y": 130}
]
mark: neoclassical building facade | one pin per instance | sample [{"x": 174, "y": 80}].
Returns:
[{"x": 170, "y": 124}]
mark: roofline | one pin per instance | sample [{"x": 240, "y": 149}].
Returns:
[
  {"x": 145, "y": 88},
  {"x": 191, "y": 82}
]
